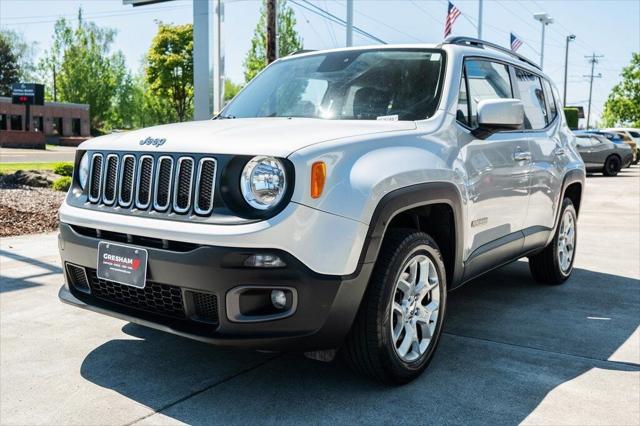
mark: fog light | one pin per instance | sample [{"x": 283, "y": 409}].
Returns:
[
  {"x": 264, "y": 261},
  {"x": 279, "y": 299}
]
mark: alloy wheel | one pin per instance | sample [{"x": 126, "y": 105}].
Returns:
[{"x": 414, "y": 311}]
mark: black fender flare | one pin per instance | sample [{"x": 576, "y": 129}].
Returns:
[
  {"x": 407, "y": 198},
  {"x": 571, "y": 177}
]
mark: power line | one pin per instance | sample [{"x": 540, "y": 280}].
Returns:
[
  {"x": 333, "y": 18},
  {"x": 371, "y": 18},
  {"x": 593, "y": 60}
]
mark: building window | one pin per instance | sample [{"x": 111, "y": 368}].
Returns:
[
  {"x": 16, "y": 122},
  {"x": 75, "y": 126},
  {"x": 37, "y": 123},
  {"x": 57, "y": 126},
  {"x": 3, "y": 121}
]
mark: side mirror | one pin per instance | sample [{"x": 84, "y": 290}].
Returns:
[{"x": 495, "y": 115}]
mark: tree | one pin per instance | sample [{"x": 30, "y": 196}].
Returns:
[
  {"x": 169, "y": 71},
  {"x": 9, "y": 69},
  {"x": 288, "y": 39},
  {"x": 623, "y": 105},
  {"x": 231, "y": 89},
  {"x": 22, "y": 51},
  {"x": 86, "y": 71}
]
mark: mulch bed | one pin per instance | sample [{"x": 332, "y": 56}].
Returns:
[{"x": 28, "y": 210}]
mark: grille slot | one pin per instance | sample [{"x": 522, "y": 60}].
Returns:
[
  {"x": 95, "y": 184},
  {"x": 154, "y": 297},
  {"x": 182, "y": 186},
  {"x": 162, "y": 193},
  {"x": 78, "y": 277},
  {"x": 144, "y": 182},
  {"x": 127, "y": 173},
  {"x": 110, "y": 179},
  {"x": 205, "y": 306},
  {"x": 205, "y": 186}
]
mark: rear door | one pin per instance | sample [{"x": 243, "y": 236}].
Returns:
[{"x": 548, "y": 160}]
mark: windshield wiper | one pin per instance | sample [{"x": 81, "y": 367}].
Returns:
[{"x": 225, "y": 117}]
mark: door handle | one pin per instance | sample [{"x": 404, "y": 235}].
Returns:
[
  {"x": 522, "y": 156},
  {"x": 559, "y": 151}
]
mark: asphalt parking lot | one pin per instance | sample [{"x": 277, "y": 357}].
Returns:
[{"x": 513, "y": 351}]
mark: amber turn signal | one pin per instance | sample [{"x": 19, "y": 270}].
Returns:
[{"x": 318, "y": 177}]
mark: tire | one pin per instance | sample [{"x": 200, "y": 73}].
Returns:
[
  {"x": 547, "y": 266},
  {"x": 375, "y": 342},
  {"x": 611, "y": 166}
]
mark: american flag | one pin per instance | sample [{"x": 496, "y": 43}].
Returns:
[
  {"x": 515, "y": 42},
  {"x": 452, "y": 15}
]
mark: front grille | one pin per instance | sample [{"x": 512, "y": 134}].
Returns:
[
  {"x": 160, "y": 183},
  {"x": 154, "y": 297}
]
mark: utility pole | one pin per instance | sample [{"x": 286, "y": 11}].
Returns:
[
  {"x": 349, "y": 23},
  {"x": 480, "y": 19},
  {"x": 566, "y": 66},
  {"x": 271, "y": 31},
  {"x": 545, "y": 19},
  {"x": 594, "y": 60},
  {"x": 55, "y": 87}
]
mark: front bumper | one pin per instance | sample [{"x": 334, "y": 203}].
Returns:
[{"x": 326, "y": 304}]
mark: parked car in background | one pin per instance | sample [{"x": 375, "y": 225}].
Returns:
[
  {"x": 602, "y": 155},
  {"x": 629, "y": 136},
  {"x": 617, "y": 138}
]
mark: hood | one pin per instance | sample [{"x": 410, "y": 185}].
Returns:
[{"x": 249, "y": 136}]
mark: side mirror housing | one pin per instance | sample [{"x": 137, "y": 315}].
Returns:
[{"x": 495, "y": 115}]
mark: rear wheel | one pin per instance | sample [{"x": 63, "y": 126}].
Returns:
[
  {"x": 555, "y": 263},
  {"x": 611, "y": 166},
  {"x": 400, "y": 319}
]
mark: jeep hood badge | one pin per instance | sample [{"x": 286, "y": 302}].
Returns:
[{"x": 153, "y": 141}]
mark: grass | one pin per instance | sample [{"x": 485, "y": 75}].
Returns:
[{"x": 7, "y": 168}]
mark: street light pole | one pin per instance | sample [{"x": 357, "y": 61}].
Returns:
[
  {"x": 349, "y": 23},
  {"x": 545, "y": 19},
  {"x": 566, "y": 66},
  {"x": 479, "y": 19}
]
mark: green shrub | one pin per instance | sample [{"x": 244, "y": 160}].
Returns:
[
  {"x": 62, "y": 183},
  {"x": 63, "y": 169},
  {"x": 571, "y": 114}
]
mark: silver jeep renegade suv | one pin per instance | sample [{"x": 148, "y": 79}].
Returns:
[{"x": 331, "y": 205}]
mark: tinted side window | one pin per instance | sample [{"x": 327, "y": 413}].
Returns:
[
  {"x": 532, "y": 97},
  {"x": 552, "y": 109},
  {"x": 486, "y": 80}
]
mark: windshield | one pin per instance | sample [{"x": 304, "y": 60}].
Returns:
[{"x": 402, "y": 84}]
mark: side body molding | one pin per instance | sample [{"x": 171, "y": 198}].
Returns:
[{"x": 407, "y": 198}]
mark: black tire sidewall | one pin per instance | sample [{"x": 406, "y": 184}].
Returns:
[
  {"x": 417, "y": 243},
  {"x": 612, "y": 166}
]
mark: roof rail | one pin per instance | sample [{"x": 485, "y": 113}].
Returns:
[
  {"x": 474, "y": 42},
  {"x": 300, "y": 52}
]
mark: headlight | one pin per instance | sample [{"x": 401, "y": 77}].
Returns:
[
  {"x": 83, "y": 170},
  {"x": 263, "y": 182}
]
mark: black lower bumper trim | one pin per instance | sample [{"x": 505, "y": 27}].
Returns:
[{"x": 326, "y": 307}]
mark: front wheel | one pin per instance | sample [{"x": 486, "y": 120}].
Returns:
[
  {"x": 555, "y": 263},
  {"x": 400, "y": 319}
]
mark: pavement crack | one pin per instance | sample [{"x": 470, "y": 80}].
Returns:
[
  {"x": 204, "y": 389},
  {"x": 582, "y": 357}
]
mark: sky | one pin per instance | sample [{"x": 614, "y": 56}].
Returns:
[{"x": 604, "y": 27}]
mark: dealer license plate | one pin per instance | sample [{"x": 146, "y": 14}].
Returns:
[{"x": 122, "y": 264}]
